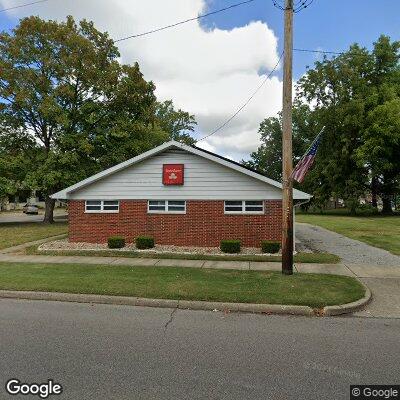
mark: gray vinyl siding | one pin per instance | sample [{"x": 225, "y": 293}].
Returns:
[{"x": 204, "y": 180}]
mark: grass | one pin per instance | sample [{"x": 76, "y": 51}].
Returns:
[
  {"x": 12, "y": 234},
  {"x": 183, "y": 283},
  {"x": 321, "y": 258},
  {"x": 378, "y": 231}
]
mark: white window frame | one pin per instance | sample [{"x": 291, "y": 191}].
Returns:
[
  {"x": 243, "y": 210},
  {"x": 101, "y": 210},
  {"x": 166, "y": 207}
]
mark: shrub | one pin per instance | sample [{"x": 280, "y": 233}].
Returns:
[
  {"x": 270, "y": 246},
  {"x": 230, "y": 246},
  {"x": 116, "y": 242},
  {"x": 144, "y": 242}
]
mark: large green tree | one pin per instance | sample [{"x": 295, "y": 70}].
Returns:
[
  {"x": 354, "y": 96},
  {"x": 64, "y": 91},
  {"x": 268, "y": 157}
]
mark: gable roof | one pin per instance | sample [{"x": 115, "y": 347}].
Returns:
[{"x": 63, "y": 194}]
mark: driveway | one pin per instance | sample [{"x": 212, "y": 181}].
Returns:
[
  {"x": 349, "y": 250},
  {"x": 377, "y": 268},
  {"x": 121, "y": 352}
]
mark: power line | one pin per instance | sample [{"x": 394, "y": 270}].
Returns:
[
  {"x": 22, "y": 5},
  {"x": 297, "y": 6},
  {"x": 319, "y": 51},
  {"x": 330, "y": 52},
  {"x": 183, "y": 22},
  {"x": 304, "y": 4},
  {"x": 245, "y": 104}
]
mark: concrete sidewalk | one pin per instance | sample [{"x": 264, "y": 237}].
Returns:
[
  {"x": 354, "y": 270},
  {"x": 338, "y": 269}
]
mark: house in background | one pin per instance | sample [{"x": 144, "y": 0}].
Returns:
[{"x": 179, "y": 194}]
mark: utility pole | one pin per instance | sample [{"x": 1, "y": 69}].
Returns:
[{"x": 287, "y": 163}]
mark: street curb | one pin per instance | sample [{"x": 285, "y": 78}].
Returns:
[
  {"x": 349, "y": 307},
  {"x": 162, "y": 303}
]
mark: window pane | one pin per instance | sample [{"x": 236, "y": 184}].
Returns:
[
  {"x": 93, "y": 205},
  {"x": 176, "y": 205},
  {"x": 176, "y": 208},
  {"x": 157, "y": 205},
  {"x": 111, "y": 202},
  {"x": 254, "y": 206},
  {"x": 233, "y": 206},
  {"x": 93, "y": 208},
  {"x": 233, "y": 203},
  {"x": 111, "y": 208}
]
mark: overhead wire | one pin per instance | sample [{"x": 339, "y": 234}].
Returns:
[
  {"x": 184, "y": 21},
  {"x": 22, "y": 5},
  {"x": 245, "y": 103}
]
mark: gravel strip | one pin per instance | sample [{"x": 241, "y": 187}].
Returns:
[{"x": 64, "y": 244}]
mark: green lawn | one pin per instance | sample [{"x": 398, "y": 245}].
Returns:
[
  {"x": 183, "y": 283},
  {"x": 321, "y": 258},
  {"x": 12, "y": 234},
  {"x": 378, "y": 231}
]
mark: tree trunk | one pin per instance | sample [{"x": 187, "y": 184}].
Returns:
[
  {"x": 374, "y": 191},
  {"x": 386, "y": 204},
  {"x": 49, "y": 209}
]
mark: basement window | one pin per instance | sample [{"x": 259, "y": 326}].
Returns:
[
  {"x": 244, "y": 207},
  {"x": 166, "y": 206},
  {"x": 102, "y": 206}
]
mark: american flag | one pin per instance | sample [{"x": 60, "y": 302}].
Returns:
[{"x": 307, "y": 160}]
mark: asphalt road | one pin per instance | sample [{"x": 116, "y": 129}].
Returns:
[
  {"x": 17, "y": 217},
  {"x": 120, "y": 352}
]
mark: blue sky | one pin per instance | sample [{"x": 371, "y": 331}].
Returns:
[
  {"x": 326, "y": 25},
  {"x": 212, "y": 72}
]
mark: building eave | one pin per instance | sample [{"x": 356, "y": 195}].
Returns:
[{"x": 64, "y": 194}]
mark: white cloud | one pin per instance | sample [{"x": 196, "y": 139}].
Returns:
[{"x": 209, "y": 73}]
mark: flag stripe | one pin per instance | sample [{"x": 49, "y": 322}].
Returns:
[{"x": 307, "y": 161}]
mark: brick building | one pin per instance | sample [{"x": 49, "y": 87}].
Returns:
[{"x": 180, "y": 195}]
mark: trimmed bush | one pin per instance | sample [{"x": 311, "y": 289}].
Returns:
[
  {"x": 144, "y": 242},
  {"x": 116, "y": 242},
  {"x": 230, "y": 246},
  {"x": 270, "y": 246}
]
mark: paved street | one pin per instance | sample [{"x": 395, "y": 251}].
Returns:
[
  {"x": 12, "y": 217},
  {"x": 121, "y": 352}
]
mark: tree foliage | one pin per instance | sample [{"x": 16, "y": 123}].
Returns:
[
  {"x": 64, "y": 92},
  {"x": 355, "y": 96}
]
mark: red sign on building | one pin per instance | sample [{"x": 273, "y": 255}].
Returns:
[{"x": 173, "y": 174}]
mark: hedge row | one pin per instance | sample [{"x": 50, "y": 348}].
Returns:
[
  {"x": 142, "y": 242},
  {"x": 233, "y": 246},
  {"x": 226, "y": 246}
]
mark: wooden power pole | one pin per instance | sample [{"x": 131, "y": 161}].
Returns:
[{"x": 287, "y": 163}]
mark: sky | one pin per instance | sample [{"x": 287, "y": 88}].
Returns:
[{"x": 212, "y": 66}]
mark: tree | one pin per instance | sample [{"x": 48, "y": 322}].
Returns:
[
  {"x": 380, "y": 150},
  {"x": 268, "y": 157},
  {"x": 347, "y": 91},
  {"x": 177, "y": 123},
  {"x": 355, "y": 97},
  {"x": 80, "y": 110}
]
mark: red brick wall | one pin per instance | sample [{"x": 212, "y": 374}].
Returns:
[{"x": 204, "y": 224}]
